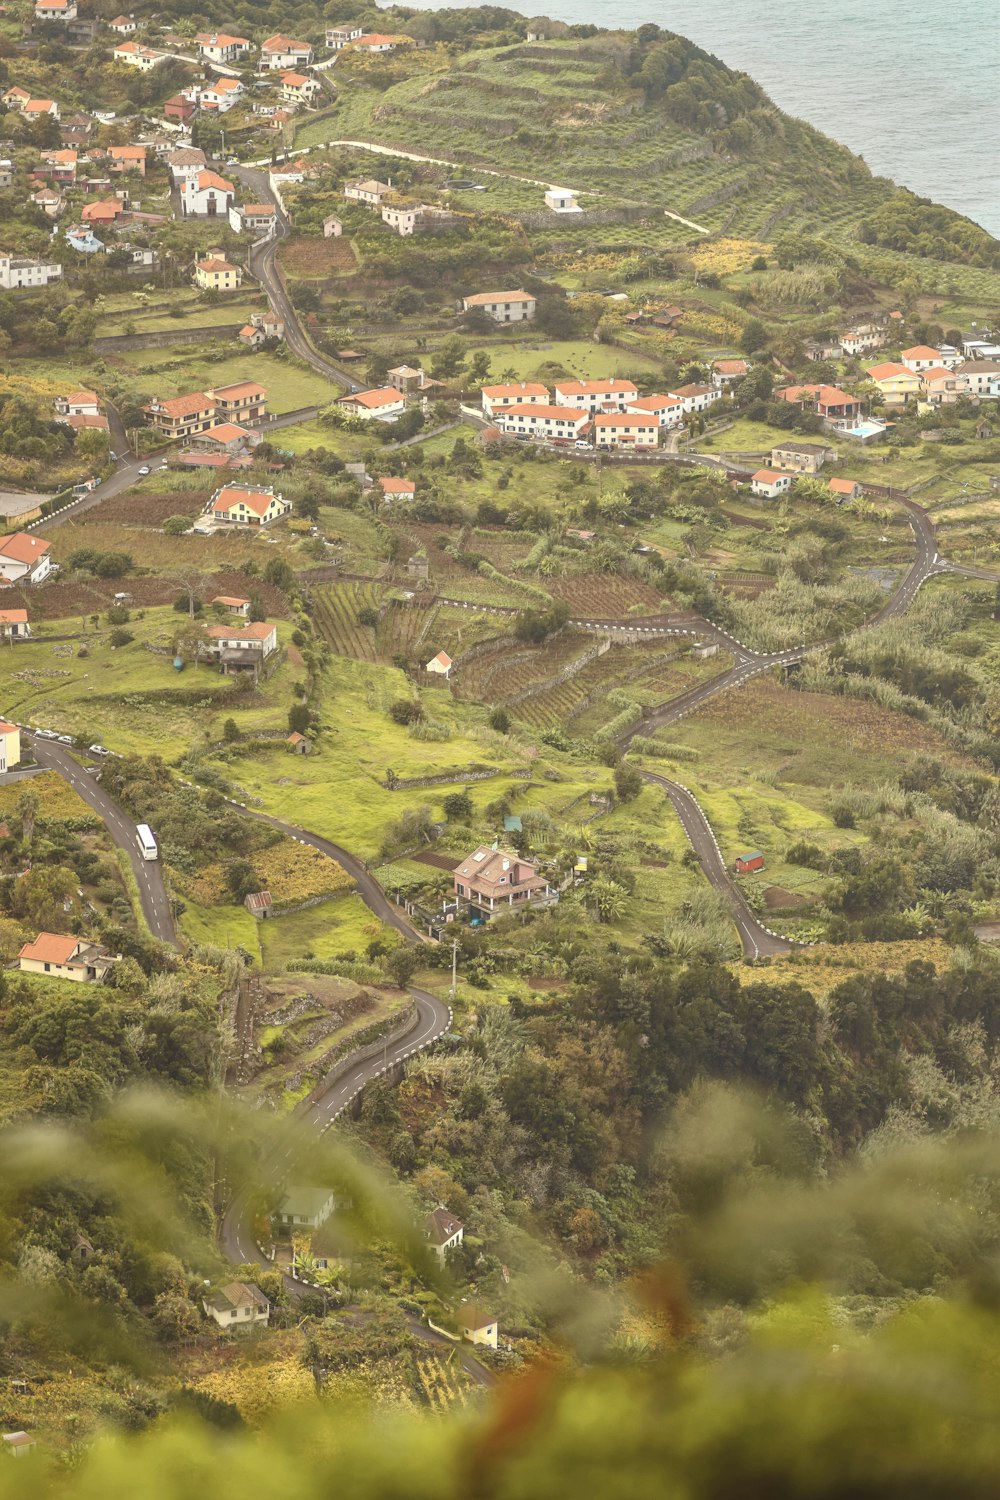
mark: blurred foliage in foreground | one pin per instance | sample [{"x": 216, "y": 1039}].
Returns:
[{"x": 769, "y": 1375}]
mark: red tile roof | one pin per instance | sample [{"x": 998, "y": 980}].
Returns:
[{"x": 23, "y": 548}]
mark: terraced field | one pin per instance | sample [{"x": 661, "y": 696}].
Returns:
[
  {"x": 515, "y": 669},
  {"x": 604, "y": 596},
  {"x": 336, "y": 607}
]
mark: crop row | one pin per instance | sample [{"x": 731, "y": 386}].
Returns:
[{"x": 336, "y": 610}]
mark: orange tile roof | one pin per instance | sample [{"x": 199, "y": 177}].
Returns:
[
  {"x": 12, "y": 617},
  {"x": 256, "y": 632},
  {"x": 594, "y": 387},
  {"x": 50, "y": 948},
  {"x": 842, "y": 486},
  {"x": 939, "y": 372},
  {"x": 127, "y": 153},
  {"x": 214, "y": 264},
  {"x": 887, "y": 371},
  {"x": 23, "y": 547},
  {"x": 398, "y": 486},
  {"x": 655, "y": 403},
  {"x": 384, "y": 396},
  {"x": 481, "y": 298},
  {"x": 768, "y": 476},
  {"x": 184, "y": 406},
  {"x": 521, "y": 388},
  {"x": 921, "y": 351},
  {"x": 281, "y": 43},
  {"x": 258, "y": 209},
  {"x": 221, "y": 39},
  {"x": 293, "y": 80},
  {"x": 231, "y": 599},
  {"x": 209, "y": 180},
  {"x": 539, "y": 409},
  {"x": 232, "y": 495}
]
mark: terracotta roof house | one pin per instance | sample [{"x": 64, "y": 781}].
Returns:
[
  {"x": 846, "y": 489},
  {"x": 14, "y": 624},
  {"x": 217, "y": 275},
  {"x": 238, "y": 1304},
  {"x": 726, "y": 372},
  {"x": 521, "y": 393},
  {"x": 240, "y": 505},
  {"x": 502, "y": 307},
  {"x": 493, "y": 879},
  {"x": 769, "y": 484},
  {"x": 595, "y": 395},
  {"x": 401, "y": 489},
  {"x": 443, "y": 1230},
  {"x": 241, "y": 646},
  {"x": 384, "y": 404},
  {"x": 65, "y": 957},
  {"x": 24, "y": 558},
  {"x": 258, "y": 904},
  {"x": 280, "y": 51},
  {"x": 441, "y": 664},
  {"x": 234, "y": 604}
]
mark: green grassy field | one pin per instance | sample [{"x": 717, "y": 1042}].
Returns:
[
  {"x": 131, "y": 698},
  {"x": 176, "y": 370}
]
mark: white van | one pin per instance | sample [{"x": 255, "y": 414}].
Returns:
[{"x": 147, "y": 844}]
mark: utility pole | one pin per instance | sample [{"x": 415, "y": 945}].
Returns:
[{"x": 454, "y": 968}]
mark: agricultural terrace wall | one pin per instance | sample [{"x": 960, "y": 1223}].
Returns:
[
  {"x": 381, "y": 1032},
  {"x": 452, "y": 778},
  {"x": 546, "y": 219},
  {"x": 115, "y": 342},
  {"x": 556, "y": 679}
]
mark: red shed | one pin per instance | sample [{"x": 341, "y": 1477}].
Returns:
[{"x": 747, "y": 862}]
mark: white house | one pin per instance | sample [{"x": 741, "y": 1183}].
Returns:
[
  {"x": 862, "y": 340},
  {"x": 622, "y": 429},
  {"x": 409, "y": 218},
  {"x": 55, "y": 10},
  {"x": 206, "y": 196},
  {"x": 65, "y": 957},
  {"x": 377, "y": 41},
  {"x": 338, "y": 37},
  {"x": 921, "y": 357},
  {"x": 254, "y": 639},
  {"x": 770, "y": 484},
  {"x": 695, "y": 397},
  {"x": 502, "y": 307},
  {"x": 238, "y": 1304},
  {"x": 536, "y": 419},
  {"x": 19, "y": 1444},
  {"x": 220, "y": 47},
  {"x": 253, "y": 218},
  {"x": 283, "y": 52},
  {"x": 79, "y": 404},
  {"x": 382, "y": 405},
  {"x": 18, "y": 271},
  {"x": 726, "y": 372},
  {"x": 305, "y": 1207},
  {"x": 220, "y": 95},
  {"x": 444, "y": 1231},
  {"x": 596, "y": 395},
  {"x": 523, "y": 393},
  {"x": 943, "y": 387},
  {"x": 562, "y": 201},
  {"x": 134, "y": 55},
  {"x": 332, "y": 228},
  {"x": 24, "y": 558},
  {"x": 124, "y": 25},
  {"x": 367, "y": 190},
  {"x": 982, "y": 376},
  {"x": 668, "y": 411},
  {"x": 440, "y": 664},
  {"x": 241, "y": 505},
  {"x": 14, "y": 627}
]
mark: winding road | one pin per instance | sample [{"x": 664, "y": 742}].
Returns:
[{"x": 148, "y": 873}]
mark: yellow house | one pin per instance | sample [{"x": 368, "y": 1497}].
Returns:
[
  {"x": 10, "y": 735},
  {"x": 896, "y": 383},
  {"x": 217, "y": 275},
  {"x": 476, "y": 1326},
  {"x": 65, "y": 957}
]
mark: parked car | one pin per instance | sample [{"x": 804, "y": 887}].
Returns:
[
  {"x": 144, "y": 469},
  {"x": 98, "y": 750},
  {"x": 65, "y": 739},
  {"x": 46, "y": 734}
]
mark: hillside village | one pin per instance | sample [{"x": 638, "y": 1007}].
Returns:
[{"x": 444, "y": 611}]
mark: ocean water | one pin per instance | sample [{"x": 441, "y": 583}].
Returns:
[{"x": 910, "y": 85}]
